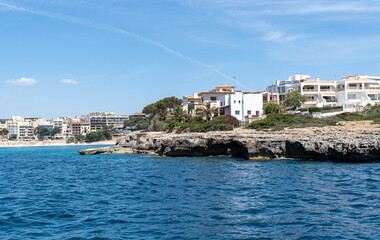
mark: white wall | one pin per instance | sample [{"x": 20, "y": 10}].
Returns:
[{"x": 241, "y": 103}]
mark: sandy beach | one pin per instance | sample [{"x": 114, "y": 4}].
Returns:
[{"x": 50, "y": 143}]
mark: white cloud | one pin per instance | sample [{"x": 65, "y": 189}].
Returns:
[
  {"x": 280, "y": 36},
  {"x": 69, "y": 81},
  {"x": 22, "y": 82}
]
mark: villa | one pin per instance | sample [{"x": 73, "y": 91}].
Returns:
[{"x": 243, "y": 105}]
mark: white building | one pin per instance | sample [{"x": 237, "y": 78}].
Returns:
[
  {"x": 226, "y": 101},
  {"x": 286, "y": 86},
  {"x": 23, "y": 130},
  {"x": 350, "y": 92}
]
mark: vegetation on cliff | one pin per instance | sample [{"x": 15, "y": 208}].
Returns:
[
  {"x": 276, "y": 121},
  {"x": 167, "y": 114}
]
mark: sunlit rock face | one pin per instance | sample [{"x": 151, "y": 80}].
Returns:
[{"x": 351, "y": 142}]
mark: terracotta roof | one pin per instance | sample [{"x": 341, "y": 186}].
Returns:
[
  {"x": 212, "y": 92},
  {"x": 225, "y": 86}
]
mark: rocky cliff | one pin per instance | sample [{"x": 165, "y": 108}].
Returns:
[{"x": 356, "y": 141}]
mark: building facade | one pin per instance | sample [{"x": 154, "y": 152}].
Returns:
[
  {"x": 225, "y": 100},
  {"x": 98, "y": 120}
]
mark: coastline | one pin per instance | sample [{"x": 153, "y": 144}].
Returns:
[
  {"x": 353, "y": 142},
  {"x": 52, "y": 144}
]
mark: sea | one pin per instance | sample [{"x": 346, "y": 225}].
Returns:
[{"x": 55, "y": 193}]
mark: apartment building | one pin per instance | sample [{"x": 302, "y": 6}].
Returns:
[
  {"x": 286, "y": 86},
  {"x": 98, "y": 120},
  {"x": 80, "y": 128},
  {"x": 22, "y": 129},
  {"x": 350, "y": 92}
]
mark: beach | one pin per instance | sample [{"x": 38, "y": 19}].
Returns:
[{"x": 50, "y": 143}]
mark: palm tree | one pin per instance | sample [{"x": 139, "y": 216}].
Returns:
[
  {"x": 208, "y": 110},
  {"x": 179, "y": 114}
]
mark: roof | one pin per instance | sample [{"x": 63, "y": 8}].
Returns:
[
  {"x": 213, "y": 92},
  {"x": 319, "y": 81},
  {"x": 138, "y": 113},
  {"x": 191, "y": 97},
  {"x": 224, "y": 86}
]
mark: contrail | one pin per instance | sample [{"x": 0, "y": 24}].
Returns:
[{"x": 110, "y": 28}]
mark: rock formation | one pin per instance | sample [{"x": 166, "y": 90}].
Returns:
[{"x": 354, "y": 141}]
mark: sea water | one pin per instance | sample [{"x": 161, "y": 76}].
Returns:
[{"x": 55, "y": 193}]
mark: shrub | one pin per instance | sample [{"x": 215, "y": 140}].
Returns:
[
  {"x": 94, "y": 137},
  {"x": 278, "y": 122},
  {"x": 12, "y": 137},
  {"x": 315, "y": 109},
  {"x": 350, "y": 116},
  {"x": 225, "y": 119},
  {"x": 159, "y": 126},
  {"x": 272, "y": 108},
  {"x": 138, "y": 123}
]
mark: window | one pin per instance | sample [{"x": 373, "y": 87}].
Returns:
[
  {"x": 213, "y": 99},
  {"x": 239, "y": 101},
  {"x": 351, "y": 96},
  {"x": 257, "y": 112},
  {"x": 237, "y": 112},
  {"x": 310, "y": 97},
  {"x": 249, "y": 112},
  {"x": 234, "y": 101}
]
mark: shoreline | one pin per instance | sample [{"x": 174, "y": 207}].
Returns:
[
  {"x": 352, "y": 142},
  {"x": 52, "y": 144}
]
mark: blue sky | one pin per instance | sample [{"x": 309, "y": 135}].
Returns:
[{"x": 70, "y": 57}]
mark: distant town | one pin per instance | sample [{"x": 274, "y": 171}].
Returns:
[
  {"x": 36, "y": 128},
  {"x": 350, "y": 94}
]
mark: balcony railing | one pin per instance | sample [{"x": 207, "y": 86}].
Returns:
[{"x": 310, "y": 90}]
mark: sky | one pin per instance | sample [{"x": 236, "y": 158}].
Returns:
[{"x": 73, "y": 57}]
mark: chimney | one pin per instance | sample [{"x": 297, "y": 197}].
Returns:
[
  {"x": 317, "y": 78},
  {"x": 277, "y": 83}
]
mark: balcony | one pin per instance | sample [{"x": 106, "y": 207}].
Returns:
[
  {"x": 193, "y": 105},
  {"x": 310, "y": 90},
  {"x": 354, "y": 88}
]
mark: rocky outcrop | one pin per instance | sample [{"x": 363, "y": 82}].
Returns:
[{"x": 349, "y": 142}]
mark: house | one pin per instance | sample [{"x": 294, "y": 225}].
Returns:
[{"x": 227, "y": 101}]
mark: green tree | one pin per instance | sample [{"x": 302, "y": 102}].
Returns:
[
  {"x": 199, "y": 113},
  {"x": 208, "y": 111},
  {"x": 178, "y": 114},
  {"x": 13, "y": 137},
  {"x": 79, "y": 138},
  {"x": 272, "y": 108},
  {"x": 294, "y": 100},
  {"x": 162, "y": 107},
  {"x": 4, "y": 132},
  {"x": 139, "y": 123},
  {"x": 55, "y": 131},
  {"x": 108, "y": 132},
  {"x": 41, "y": 132},
  {"x": 94, "y": 136}
]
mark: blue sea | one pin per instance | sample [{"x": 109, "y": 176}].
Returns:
[{"x": 55, "y": 193}]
